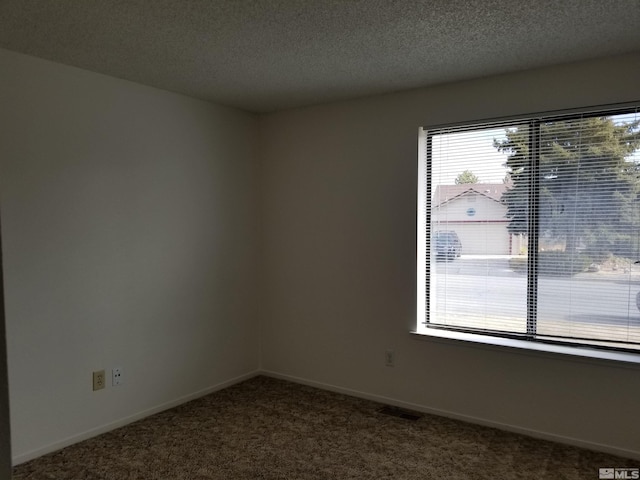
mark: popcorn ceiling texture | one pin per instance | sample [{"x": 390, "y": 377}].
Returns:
[{"x": 267, "y": 55}]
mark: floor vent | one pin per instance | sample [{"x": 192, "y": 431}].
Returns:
[{"x": 400, "y": 412}]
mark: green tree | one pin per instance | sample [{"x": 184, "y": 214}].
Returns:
[
  {"x": 466, "y": 177},
  {"x": 589, "y": 184}
]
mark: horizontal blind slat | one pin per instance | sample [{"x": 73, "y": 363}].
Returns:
[{"x": 587, "y": 220}]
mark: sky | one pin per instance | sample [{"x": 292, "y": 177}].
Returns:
[
  {"x": 453, "y": 153},
  {"x": 451, "y": 156}
]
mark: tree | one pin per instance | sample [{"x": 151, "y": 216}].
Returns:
[
  {"x": 466, "y": 177},
  {"x": 589, "y": 185}
]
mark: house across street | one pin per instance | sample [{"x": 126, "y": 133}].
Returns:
[{"x": 476, "y": 214}]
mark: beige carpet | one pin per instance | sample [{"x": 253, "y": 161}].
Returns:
[{"x": 271, "y": 429}]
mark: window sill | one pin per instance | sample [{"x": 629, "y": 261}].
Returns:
[{"x": 530, "y": 348}]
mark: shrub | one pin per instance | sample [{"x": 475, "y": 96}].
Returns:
[
  {"x": 554, "y": 263},
  {"x": 562, "y": 263},
  {"x": 518, "y": 264}
]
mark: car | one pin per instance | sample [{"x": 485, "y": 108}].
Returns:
[{"x": 446, "y": 244}]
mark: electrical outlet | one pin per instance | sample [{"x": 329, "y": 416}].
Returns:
[
  {"x": 389, "y": 358},
  {"x": 116, "y": 377},
  {"x": 98, "y": 380}
]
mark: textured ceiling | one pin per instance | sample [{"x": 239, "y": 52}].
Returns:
[{"x": 266, "y": 55}]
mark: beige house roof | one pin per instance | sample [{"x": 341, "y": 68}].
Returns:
[{"x": 446, "y": 193}]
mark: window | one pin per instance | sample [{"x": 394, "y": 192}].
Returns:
[{"x": 529, "y": 229}]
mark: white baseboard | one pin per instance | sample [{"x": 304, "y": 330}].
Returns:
[
  {"x": 25, "y": 457},
  {"x": 576, "y": 442},
  {"x": 52, "y": 447}
]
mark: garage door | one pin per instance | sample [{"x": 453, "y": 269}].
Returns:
[{"x": 482, "y": 238}]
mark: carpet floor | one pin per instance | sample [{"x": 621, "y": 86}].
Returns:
[{"x": 271, "y": 429}]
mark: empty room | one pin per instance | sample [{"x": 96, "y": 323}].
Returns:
[{"x": 320, "y": 239}]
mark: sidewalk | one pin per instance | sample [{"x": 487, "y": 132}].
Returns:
[{"x": 622, "y": 274}]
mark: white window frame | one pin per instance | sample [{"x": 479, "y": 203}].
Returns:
[{"x": 422, "y": 330}]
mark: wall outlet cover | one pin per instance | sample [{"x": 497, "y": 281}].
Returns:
[
  {"x": 116, "y": 377},
  {"x": 389, "y": 358},
  {"x": 98, "y": 380}
]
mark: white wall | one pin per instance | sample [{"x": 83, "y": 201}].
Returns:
[
  {"x": 5, "y": 436},
  {"x": 130, "y": 239},
  {"x": 339, "y": 200}
]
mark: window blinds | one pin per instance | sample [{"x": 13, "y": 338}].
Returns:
[{"x": 533, "y": 228}]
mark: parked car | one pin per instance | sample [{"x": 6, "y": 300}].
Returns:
[{"x": 446, "y": 244}]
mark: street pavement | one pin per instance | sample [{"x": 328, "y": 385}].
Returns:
[{"x": 485, "y": 292}]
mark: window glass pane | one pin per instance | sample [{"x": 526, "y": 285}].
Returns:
[
  {"x": 533, "y": 227},
  {"x": 477, "y": 264},
  {"x": 589, "y": 229}
]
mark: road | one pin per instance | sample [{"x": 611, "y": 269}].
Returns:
[{"x": 485, "y": 292}]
